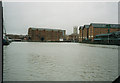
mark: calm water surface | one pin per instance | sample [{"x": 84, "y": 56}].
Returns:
[{"x": 35, "y": 61}]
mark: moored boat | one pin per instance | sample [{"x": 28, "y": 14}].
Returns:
[{"x": 5, "y": 41}]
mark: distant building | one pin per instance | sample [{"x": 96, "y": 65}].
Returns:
[
  {"x": 14, "y": 37},
  {"x": 75, "y": 28},
  {"x": 44, "y": 34},
  {"x": 72, "y": 38},
  {"x": 97, "y": 28}
]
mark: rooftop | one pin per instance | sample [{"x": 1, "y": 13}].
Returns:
[
  {"x": 100, "y": 25},
  {"x": 81, "y": 27},
  {"x": 45, "y": 29},
  {"x": 86, "y": 26}
]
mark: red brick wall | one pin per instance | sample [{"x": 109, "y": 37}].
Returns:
[
  {"x": 36, "y": 35},
  {"x": 84, "y": 33},
  {"x": 80, "y": 35},
  {"x": 96, "y": 31},
  {"x": 91, "y": 30},
  {"x": 114, "y": 29}
]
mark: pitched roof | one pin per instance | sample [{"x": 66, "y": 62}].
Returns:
[
  {"x": 81, "y": 27},
  {"x": 100, "y": 25},
  {"x": 86, "y": 26}
]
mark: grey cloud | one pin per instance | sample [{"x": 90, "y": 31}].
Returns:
[{"x": 19, "y": 16}]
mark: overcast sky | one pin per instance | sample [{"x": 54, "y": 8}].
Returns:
[{"x": 19, "y": 16}]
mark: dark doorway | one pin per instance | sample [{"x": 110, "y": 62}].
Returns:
[{"x": 42, "y": 39}]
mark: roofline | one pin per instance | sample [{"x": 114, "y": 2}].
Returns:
[
  {"x": 104, "y": 24},
  {"x": 45, "y": 28},
  {"x": 80, "y": 27},
  {"x": 86, "y": 25}
]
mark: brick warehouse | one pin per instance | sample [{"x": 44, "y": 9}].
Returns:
[
  {"x": 44, "y": 34},
  {"x": 89, "y": 32},
  {"x": 80, "y": 33},
  {"x": 96, "y": 29},
  {"x": 85, "y": 32}
]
